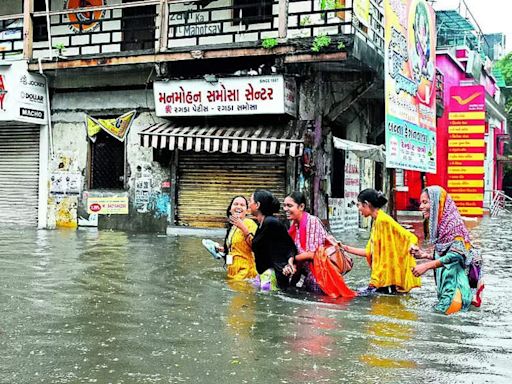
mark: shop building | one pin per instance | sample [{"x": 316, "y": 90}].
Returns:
[
  {"x": 172, "y": 163},
  {"x": 24, "y": 142}
]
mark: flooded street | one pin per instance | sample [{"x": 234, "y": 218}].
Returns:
[{"x": 111, "y": 307}]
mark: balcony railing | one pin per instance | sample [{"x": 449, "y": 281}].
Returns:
[{"x": 154, "y": 26}]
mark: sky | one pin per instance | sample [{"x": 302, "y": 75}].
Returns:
[{"x": 491, "y": 15}]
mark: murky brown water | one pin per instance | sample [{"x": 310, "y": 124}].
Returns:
[{"x": 111, "y": 307}]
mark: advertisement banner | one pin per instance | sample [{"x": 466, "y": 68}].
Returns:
[
  {"x": 225, "y": 96},
  {"x": 115, "y": 205},
  {"x": 22, "y": 95},
  {"x": 410, "y": 84},
  {"x": 466, "y": 148},
  {"x": 115, "y": 127}
]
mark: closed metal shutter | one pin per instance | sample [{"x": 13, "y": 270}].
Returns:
[
  {"x": 19, "y": 175},
  {"x": 208, "y": 181}
]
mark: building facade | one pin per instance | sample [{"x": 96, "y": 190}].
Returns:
[{"x": 161, "y": 111}]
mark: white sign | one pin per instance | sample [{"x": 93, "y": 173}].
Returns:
[
  {"x": 225, "y": 96},
  {"x": 352, "y": 188},
  {"x": 22, "y": 95}
]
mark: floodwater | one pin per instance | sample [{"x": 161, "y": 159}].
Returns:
[{"x": 110, "y": 307}]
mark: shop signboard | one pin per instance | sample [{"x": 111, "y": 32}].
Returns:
[
  {"x": 466, "y": 148},
  {"x": 410, "y": 83},
  {"x": 22, "y": 95},
  {"x": 225, "y": 96}
]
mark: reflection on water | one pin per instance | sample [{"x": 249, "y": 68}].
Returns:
[
  {"x": 389, "y": 332},
  {"x": 89, "y": 306}
]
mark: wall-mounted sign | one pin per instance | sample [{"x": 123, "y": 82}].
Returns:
[
  {"x": 410, "y": 84},
  {"x": 65, "y": 183},
  {"x": 113, "y": 205},
  {"x": 85, "y": 21},
  {"x": 466, "y": 148},
  {"x": 226, "y": 96},
  {"x": 352, "y": 188},
  {"x": 22, "y": 94}
]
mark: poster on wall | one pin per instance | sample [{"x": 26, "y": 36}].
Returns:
[
  {"x": 108, "y": 205},
  {"x": 352, "y": 187},
  {"x": 410, "y": 84},
  {"x": 466, "y": 148}
]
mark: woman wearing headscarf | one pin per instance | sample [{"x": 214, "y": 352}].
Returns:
[
  {"x": 455, "y": 261},
  {"x": 387, "y": 250}
]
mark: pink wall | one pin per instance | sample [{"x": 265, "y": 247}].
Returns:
[{"x": 453, "y": 75}]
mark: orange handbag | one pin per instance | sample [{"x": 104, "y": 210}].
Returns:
[
  {"x": 329, "y": 264},
  {"x": 337, "y": 255}
]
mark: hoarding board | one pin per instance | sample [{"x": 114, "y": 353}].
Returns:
[{"x": 410, "y": 84}]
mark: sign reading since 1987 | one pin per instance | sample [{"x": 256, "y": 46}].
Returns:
[{"x": 226, "y": 96}]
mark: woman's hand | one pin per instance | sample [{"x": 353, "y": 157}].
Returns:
[
  {"x": 289, "y": 268},
  {"x": 420, "y": 269},
  {"x": 415, "y": 251},
  {"x": 418, "y": 253},
  {"x": 239, "y": 223}
]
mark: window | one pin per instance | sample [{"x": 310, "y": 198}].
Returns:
[
  {"x": 252, "y": 11},
  {"x": 107, "y": 169},
  {"x": 138, "y": 26},
  {"x": 39, "y": 23}
]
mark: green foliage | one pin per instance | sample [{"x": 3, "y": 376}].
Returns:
[
  {"x": 269, "y": 43},
  {"x": 306, "y": 20},
  {"x": 320, "y": 42},
  {"x": 327, "y": 4},
  {"x": 59, "y": 47},
  {"x": 505, "y": 66},
  {"x": 341, "y": 45}
]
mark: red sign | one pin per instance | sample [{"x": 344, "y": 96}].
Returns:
[
  {"x": 95, "y": 207},
  {"x": 3, "y": 92}
]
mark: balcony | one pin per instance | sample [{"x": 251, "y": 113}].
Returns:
[{"x": 165, "y": 30}]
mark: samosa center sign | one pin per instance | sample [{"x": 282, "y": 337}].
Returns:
[{"x": 226, "y": 96}]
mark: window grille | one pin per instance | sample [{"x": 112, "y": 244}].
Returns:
[{"x": 107, "y": 168}]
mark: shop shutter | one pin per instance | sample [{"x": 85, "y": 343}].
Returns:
[
  {"x": 19, "y": 175},
  {"x": 208, "y": 181}
]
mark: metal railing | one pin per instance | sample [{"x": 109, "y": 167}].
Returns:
[
  {"x": 154, "y": 26},
  {"x": 499, "y": 203}
]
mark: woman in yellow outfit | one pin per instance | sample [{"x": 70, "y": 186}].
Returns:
[
  {"x": 388, "y": 250},
  {"x": 237, "y": 244}
]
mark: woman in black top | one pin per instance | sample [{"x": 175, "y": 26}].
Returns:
[{"x": 272, "y": 246}]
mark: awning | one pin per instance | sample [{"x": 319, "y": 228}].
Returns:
[
  {"x": 263, "y": 140},
  {"x": 366, "y": 151}
]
